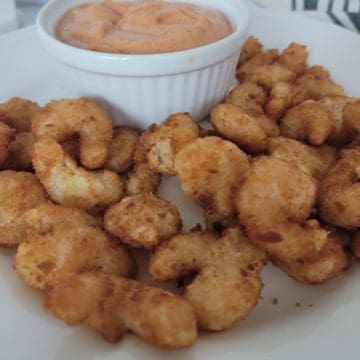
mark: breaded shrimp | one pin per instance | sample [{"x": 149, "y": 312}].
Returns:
[
  {"x": 142, "y": 220},
  {"x": 314, "y": 159},
  {"x": 280, "y": 99},
  {"x": 112, "y": 305},
  {"x": 228, "y": 283},
  {"x": 308, "y": 121},
  {"x": 251, "y": 98},
  {"x": 164, "y": 141},
  {"x": 20, "y": 152},
  {"x": 339, "y": 192},
  {"x": 251, "y": 47},
  {"x": 141, "y": 179},
  {"x": 351, "y": 119},
  {"x": 274, "y": 202},
  {"x": 19, "y": 192},
  {"x": 268, "y": 75},
  {"x": 122, "y": 148},
  {"x": 332, "y": 262},
  {"x": 71, "y": 185},
  {"x": 208, "y": 168},
  {"x": 61, "y": 242},
  {"x": 61, "y": 119},
  {"x": 318, "y": 121},
  {"x": 316, "y": 83},
  {"x": 354, "y": 244},
  {"x": 18, "y": 113},
  {"x": 266, "y": 57},
  {"x": 6, "y": 136},
  {"x": 295, "y": 58},
  {"x": 232, "y": 123}
]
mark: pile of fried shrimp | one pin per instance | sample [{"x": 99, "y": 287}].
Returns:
[{"x": 276, "y": 177}]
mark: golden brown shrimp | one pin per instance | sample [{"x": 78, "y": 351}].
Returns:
[
  {"x": 228, "y": 283},
  {"x": 266, "y": 57},
  {"x": 164, "y": 141},
  {"x": 61, "y": 242},
  {"x": 354, "y": 244},
  {"x": 295, "y": 58},
  {"x": 268, "y": 75},
  {"x": 208, "y": 168},
  {"x": 19, "y": 192},
  {"x": 251, "y": 47},
  {"x": 251, "y": 99},
  {"x": 316, "y": 84},
  {"x": 112, "y": 304},
  {"x": 122, "y": 148},
  {"x": 18, "y": 113},
  {"x": 315, "y": 160},
  {"x": 274, "y": 201},
  {"x": 351, "y": 119},
  {"x": 142, "y": 220},
  {"x": 61, "y": 119},
  {"x": 332, "y": 262},
  {"x": 280, "y": 99},
  {"x": 308, "y": 121},
  {"x": 339, "y": 193},
  {"x": 20, "y": 152},
  {"x": 232, "y": 123},
  {"x": 71, "y": 185},
  {"x": 6, "y": 136},
  {"x": 141, "y": 179}
]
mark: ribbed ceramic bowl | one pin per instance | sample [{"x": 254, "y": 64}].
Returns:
[{"x": 144, "y": 89}]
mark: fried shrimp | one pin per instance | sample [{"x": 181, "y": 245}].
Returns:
[
  {"x": 20, "y": 152},
  {"x": 122, "y": 148},
  {"x": 339, "y": 193},
  {"x": 266, "y": 57},
  {"x": 354, "y": 245},
  {"x": 19, "y": 192},
  {"x": 268, "y": 75},
  {"x": 164, "y": 141},
  {"x": 142, "y": 220},
  {"x": 351, "y": 119},
  {"x": 61, "y": 119},
  {"x": 279, "y": 101},
  {"x": 251, "y": 98},
  {"x": 6, "y": 136},
  {"x": 274, "y": 201},
  {"x": 71, "y": 185},
  {"x": 317, "y": 84},
  {"x": 308, "y": 121},
  {"x": 232, "y": 123},
  {"x": 18, "y": 113},
  {"x": 251, "y": 47},
  {"x": 294, "y": 57},
  {"x": 332, "y": 262},
  {"x": 315, "y": 160},
  {"x": 141, "y": 179},
  {"x": 61, "y": 242},
  {"x": 208, "y": 168},
  {"x": 112, "y": 305},
  {"x": 318, "y": 121},
  {"x": 220, "y": 295}
]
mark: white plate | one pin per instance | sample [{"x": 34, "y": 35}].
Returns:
[{"x": 324, "y": 325}]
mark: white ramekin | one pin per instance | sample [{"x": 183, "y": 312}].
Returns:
[{"x": 143, "y": 89}]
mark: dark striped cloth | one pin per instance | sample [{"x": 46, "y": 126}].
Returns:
[{"x": 345, "y": 13}]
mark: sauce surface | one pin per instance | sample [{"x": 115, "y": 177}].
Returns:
[{"x": 141, "y": 27}]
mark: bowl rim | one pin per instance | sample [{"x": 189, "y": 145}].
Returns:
[{"x": 156, "y": 64}]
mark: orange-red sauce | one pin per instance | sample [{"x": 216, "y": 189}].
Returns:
[{"x": 141, "y": 27}]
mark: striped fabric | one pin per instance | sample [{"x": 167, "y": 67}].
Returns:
[{"x": 345, "y": 13}]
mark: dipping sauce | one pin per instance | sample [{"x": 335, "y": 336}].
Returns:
[{"x": 141, "y": 27}]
